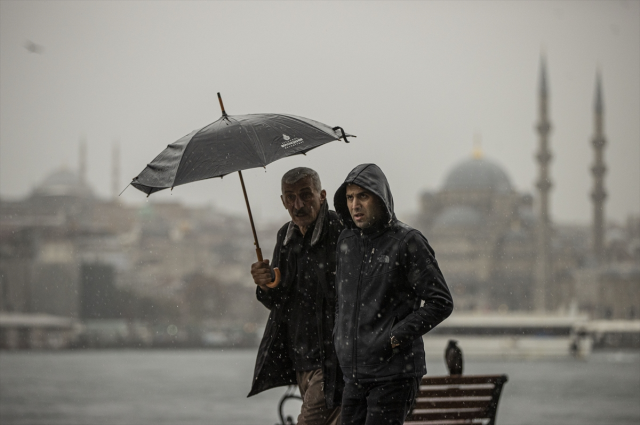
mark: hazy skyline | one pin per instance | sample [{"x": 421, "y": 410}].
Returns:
[{"x": 413, "y": 80}]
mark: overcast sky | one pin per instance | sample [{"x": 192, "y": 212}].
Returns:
[{"x": 413, "y": 80}]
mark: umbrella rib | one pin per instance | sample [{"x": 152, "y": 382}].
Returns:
[
  {"x": 195, "y": 133},
  {"x": 294, "y": 118},
  {"x": 256, "y": 142}
]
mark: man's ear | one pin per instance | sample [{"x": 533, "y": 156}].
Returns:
[
  {"x": 323, "y": 196},
  {"x": 283, "y": 204}
]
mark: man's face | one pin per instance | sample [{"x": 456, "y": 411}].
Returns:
[
  {"x": 365, "y": 208},
  {"x": 303, "y": 202}
]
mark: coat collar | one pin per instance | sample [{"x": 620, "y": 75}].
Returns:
[{"x": 317, "y": 230}]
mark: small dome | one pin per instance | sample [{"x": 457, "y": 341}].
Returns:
[
  {"x": 477, "y": 174},
  {"x": 458, "y": 217},
  {"x": 63, "y": 182}
]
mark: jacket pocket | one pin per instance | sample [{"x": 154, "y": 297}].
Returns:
[
  {"x": 377, "y": 347},
  {"x": 393, "y": 350}
]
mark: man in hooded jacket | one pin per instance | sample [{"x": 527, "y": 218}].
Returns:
[
  {"x": 390, "y": 292},
  {"x": 297, "y": 346}
]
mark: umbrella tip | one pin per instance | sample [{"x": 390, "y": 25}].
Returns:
[
  {"x": 125, "y": 189},
  {"x": 344, "y": 136},
  {"x": 224, "y": 113}
]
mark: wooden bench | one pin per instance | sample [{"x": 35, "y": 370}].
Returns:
[{"x": 457, "y": 400}]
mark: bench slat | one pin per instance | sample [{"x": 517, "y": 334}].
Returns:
[
  {"x": 457, "y": 392},
  {"x": 463, "y": 380},
  {"x": 442, "y": 422},
  {"x": 436, "y": 416},
  {"x": 452, "y": 404},
  {"x": 446, "y": 399}
]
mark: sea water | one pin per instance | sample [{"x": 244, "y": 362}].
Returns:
[{"x": 149, "y": 387}]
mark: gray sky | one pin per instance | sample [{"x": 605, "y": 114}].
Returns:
[{"x": 413, "y": 80}]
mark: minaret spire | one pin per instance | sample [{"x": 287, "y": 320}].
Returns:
[
  {"x": 477, "y": 146},
  {"x": 543, "y": 231},
  {"x": 543, "y": 77},
  {"x": 599, "y": 194}
]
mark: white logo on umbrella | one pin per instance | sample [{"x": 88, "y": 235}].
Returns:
[{"x": 289, "y": 142}]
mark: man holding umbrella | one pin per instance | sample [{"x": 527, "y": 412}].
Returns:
[{"x": 297, "y": 346}]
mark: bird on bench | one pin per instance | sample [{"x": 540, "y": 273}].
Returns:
[{"x": 453, "y": 358}]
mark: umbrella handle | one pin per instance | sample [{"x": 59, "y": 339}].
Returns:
[{"x": 276, "y": 270}]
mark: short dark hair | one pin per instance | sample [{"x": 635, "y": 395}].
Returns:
[{"x": 296, "y": 174}]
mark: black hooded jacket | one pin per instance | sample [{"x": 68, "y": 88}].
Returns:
[
  {"x": 388, "y": 284},
  {"x": 274, "y": 367}
]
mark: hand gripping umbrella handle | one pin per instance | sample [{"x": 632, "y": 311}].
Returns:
[{"x": 276, "y": 271}]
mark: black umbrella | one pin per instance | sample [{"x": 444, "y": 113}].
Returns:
[{"x": 234, "y": 143}]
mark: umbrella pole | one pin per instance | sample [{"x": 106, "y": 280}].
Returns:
[
  {"x": 276, "y": 281},
  {"x": 253, "y": 227}
]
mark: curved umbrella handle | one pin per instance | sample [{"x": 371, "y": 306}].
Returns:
[
  {"x": 276, "y": 270},
  {"x": 276, "y": 281}
]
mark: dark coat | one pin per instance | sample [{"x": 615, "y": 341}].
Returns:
[
  {"x": 273, "y": 365},
  {"x": 384, "y": 274}
]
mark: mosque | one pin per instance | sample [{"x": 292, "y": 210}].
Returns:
[
  {"x": 501, "y": 252},
  {"x": 484, "y": 232}
]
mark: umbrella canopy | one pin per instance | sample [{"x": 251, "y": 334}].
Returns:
[{"x": 233, "y": 143}]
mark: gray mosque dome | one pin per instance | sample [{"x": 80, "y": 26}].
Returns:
[
  {"x": 63, "y": 182},
  {"x": 477, "y": 174},
  {"x": 457, "y": 217}
]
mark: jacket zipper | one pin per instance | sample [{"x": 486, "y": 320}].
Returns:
[{"x": 357, "y": 311}]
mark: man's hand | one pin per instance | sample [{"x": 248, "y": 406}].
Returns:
[
  {"x": 394, "y": 342},
  {"x": 261, "y": 273}
]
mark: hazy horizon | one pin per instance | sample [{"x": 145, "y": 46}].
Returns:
[{"x": 413, "y": 80}]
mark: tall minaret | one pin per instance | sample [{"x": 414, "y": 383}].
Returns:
[
  {"x": 598, "y": 195},
  {"x": 543, "y": 231},
  {"x": 115, "y": 170}
]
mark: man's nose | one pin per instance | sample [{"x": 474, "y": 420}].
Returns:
[{"x": 298, "y": 203}]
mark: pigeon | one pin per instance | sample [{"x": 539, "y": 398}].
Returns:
[
  {"x": 33, "y": 47},
  {"x": 453, "y": 358}
]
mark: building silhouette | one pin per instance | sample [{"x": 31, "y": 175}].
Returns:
[
  {"x": 501, "y": 250},
  {"x": 66, "y": 252}
]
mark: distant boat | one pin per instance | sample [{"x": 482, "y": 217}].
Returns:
[{"x": 512, "y": 335}]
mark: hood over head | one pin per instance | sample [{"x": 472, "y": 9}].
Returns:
[{"x": 370, "y": 177}]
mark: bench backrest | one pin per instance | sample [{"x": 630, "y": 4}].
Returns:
[{"x": 457, "y": 399}]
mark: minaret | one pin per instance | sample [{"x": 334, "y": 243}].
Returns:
[
  {"x": 477, "y": 146},
  {"x": 115, "y": 171},
  {"x": 82, "y": 158},
  {"x": 598, "y": 195},
  {"x": 543, "y": 231}
]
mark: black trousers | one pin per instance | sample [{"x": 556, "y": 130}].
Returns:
[{"x": 378, "y": 403}]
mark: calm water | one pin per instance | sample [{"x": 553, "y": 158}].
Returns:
[{"x": 210, "y": 387}]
